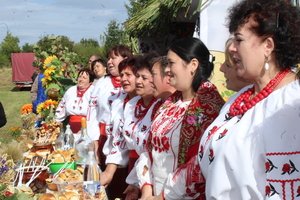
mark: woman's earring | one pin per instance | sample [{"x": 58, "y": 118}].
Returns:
[
  {"x": 267, "y": 66},
  {"x": 192, "y": 73}
]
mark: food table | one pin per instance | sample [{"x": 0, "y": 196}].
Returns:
[{"x": 47, "y": 173}]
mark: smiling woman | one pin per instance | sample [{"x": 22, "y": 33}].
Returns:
[
  {"x": 75, "y": 101},
  {"x": 176, "y": 130},
  {"x": 251, "y": 150}
]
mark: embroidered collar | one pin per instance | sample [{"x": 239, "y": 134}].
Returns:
[
  {"x": 116, "y": 81},
  {"x": 80, "y": 93}
]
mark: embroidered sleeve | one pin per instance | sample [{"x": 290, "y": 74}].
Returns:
[
  {"x": 92, "y": 122},
  {"x": 142, "y": 167},
  {"x": 186, "y": 182},
  {"x": 118, "y": 152},
  {"x": 61, "y": 111}
]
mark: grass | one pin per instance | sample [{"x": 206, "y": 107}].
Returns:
[{"x": 12, "y": 99}]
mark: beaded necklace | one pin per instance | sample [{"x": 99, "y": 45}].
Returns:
[{"x": 244, "y": 102}]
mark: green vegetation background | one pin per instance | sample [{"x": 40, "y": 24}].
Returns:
[{"x": 12, "y": 99}]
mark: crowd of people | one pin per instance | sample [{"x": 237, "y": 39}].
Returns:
[{"x": 162, "y": 131}]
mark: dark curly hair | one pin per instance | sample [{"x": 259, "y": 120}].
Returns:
[
  {"x": 87, "y": 71},
  {"x": 278, "y": 19},
  {"x": 129, "y": 62},
  {"x": 189, "y": 48}
]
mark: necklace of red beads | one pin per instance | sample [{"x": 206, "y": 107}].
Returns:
[{"x": 244, "y": 102}]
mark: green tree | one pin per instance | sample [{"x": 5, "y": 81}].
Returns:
[
  {"x": 89, "y": 42},
  {"x": 114, "y": 35},
  {"x": 10, "y": 44},
  {"x": 27, "y": 47},
  {"x": 87, "y": 47},
  {"x": 54, "y": 44}
]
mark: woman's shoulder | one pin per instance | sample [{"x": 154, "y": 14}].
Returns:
[{"x": 133, "y": 101}]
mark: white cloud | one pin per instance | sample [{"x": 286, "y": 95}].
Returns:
[{"x": 29, "y": 20}]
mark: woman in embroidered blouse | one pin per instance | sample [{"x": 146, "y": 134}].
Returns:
[
  {"x": 99, "y": 68},
  {"x": 251, "y": 151},
  {"x": 104, "y": 93},
  {"x": 75, "y": 101},
  {"x": 115, "y": 147},
  {"x": 137, "y": 111},
  {"x": 176, "y": 131}
]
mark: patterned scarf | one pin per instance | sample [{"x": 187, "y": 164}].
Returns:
[
  {"x": 116, "y": 81},
  {"x": 202, "y": 110}
]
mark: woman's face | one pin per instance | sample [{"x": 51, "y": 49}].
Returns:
[
  {"x": 144, "y": 83},
  {"x": 248, "y": 52},
  {"x": 113, "y": 62},
  {"x": 127, "y": 80},
  {"x": 83, "y": 80},
  {"x": 99, "y": 70},
  {"x": 233, "y": 82},
  {"x": 181, "y": 73}
]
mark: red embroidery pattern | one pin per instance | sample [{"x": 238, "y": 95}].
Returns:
[
  {"x": 283, "y": 179},
  {"x": 269, "y": 166},
  {"x": 282, "y": 153},
  {"x": 270, "y": 190},
  {"x": 211, "y": 156},
  {"x": 80, "y": 93},
  {"x": 289, "y": 168}
]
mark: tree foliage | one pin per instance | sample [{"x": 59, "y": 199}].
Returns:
[
  {"x": 87, "y": 47},
  {"x": 89, "y": 42},
  {"x": 154, "y": 16},
  {"x": 27, "y": 47},
  {"x": 10, "y": 44},
  {"x": 116, "y": 34},
  {"x": 52, "y": 43}
]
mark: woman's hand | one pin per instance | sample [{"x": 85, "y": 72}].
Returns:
[
  {"x": 147, "y": 192},
  {"x": 132, "y": 192},
  {"x": 107, "y": 176},
  {"x": 159, "y": 197}
]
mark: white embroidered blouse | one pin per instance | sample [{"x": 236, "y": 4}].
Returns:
[{"x": 256, "y": 156}]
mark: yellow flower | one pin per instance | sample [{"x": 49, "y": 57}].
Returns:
[
  {"x": 39, "y": 108},
  {"x": 48, "y": 60}
]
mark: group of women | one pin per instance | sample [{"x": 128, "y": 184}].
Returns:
[{"x": 162, "y": 131}]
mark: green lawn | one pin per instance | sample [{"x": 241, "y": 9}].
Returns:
[{"x": 12, "y": 99}]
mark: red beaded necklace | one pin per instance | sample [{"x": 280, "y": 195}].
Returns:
[
  {"x": 141, "y": 109},
  {"x": 244, "y": 102}
]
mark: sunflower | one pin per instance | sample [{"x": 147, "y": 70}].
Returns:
[{"x": 48, "y": 61}]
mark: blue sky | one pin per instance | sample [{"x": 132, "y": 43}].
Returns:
[{"x": 30, "y": 20}]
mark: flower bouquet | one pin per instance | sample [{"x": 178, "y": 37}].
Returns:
[
  {"x": 58, "y": 77},
  {"x": 28, "y": 120},
  {"x": 46, "y": 109}
]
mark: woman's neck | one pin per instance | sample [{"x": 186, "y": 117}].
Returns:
[
  {"x": 262, "y": 81},
  {"x": 131, "y": 95},
  {"x": 147, "y": 99},
  {"x": 81, "y": 88},
  {"x": 188, "y": 94}
]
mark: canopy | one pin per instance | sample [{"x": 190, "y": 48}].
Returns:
[{"x": 22, "y": 68}]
